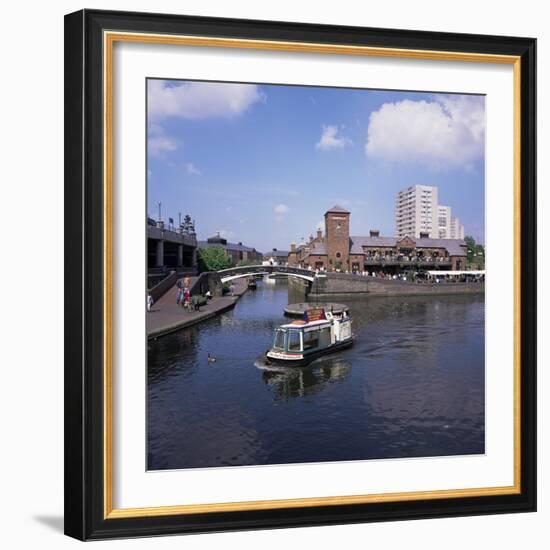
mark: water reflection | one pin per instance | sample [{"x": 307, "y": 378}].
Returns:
[
  {"x": 173, "y": 356},
  {"x": 291, "y": 382}
]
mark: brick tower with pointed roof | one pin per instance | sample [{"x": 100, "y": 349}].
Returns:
[{"x": 337, "y": 238}]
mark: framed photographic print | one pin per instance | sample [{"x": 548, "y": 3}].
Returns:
[{"x": 300, "y": 282}]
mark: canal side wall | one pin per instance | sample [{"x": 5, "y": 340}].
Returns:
[
  {"x": 300, "y": 285},
  {"x": 341, "y": 284},
  {"x": 163, "y": 286},
  {"x": 205, "y": 281},
  {"x": 399, "y": 288}
]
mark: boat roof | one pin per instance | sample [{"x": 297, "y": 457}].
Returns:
[{"x": 298, "y": 326}]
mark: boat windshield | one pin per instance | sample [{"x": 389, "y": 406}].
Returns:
[{"x": 279, "y": 341}]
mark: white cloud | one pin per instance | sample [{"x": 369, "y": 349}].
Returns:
[
  {"x": 444, "y": 133},
  {"x": 159, "y": 143},
  {"x": 280, "y": 211},
  {"x": 192, "y": 170},
  {"x": 198, "y": 100},
  {"x": 331, "y": 140}
]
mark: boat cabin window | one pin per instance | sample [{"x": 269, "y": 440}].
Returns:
[
  {"x": 324, "y": 337},
  {"x": 311, "y": 339},
  {"x": 279, "y": 341},
  {"x": 317, "y": 338},
  {"x": 294, "y": 341}
]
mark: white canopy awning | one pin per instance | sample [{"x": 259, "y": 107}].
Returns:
[{"x": 450, "y": 273}]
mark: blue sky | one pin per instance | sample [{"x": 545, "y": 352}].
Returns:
[{"x": 262, "y": 163}]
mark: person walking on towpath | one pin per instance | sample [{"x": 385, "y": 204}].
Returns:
[
  {"x": 179, "y": 293},
  {"x": 186, "y": 298},
  {"x": 186, "y": 282}
]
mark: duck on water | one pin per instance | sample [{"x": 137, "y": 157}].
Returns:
[{"x": 319, "y": 333}]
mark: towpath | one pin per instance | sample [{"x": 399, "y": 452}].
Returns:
[{"x": 166, "y": 316}]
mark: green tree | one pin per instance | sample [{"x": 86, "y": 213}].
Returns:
[
  {"x": 475, "y": 253},
  {"x": 212, "y": 259},
  {"x": 470, "y": 247},
  {"x": 244, "y": 263}
]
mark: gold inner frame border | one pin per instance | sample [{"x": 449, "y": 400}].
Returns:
[{"x": 109, "y": 39}]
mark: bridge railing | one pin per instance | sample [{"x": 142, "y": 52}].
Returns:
[{"x": 234, "y": 272}]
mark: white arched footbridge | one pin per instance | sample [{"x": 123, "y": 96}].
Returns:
[{"x": 250, "y": 270}]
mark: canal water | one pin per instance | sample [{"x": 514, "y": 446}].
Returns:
[{"x": 411, "y": 386}]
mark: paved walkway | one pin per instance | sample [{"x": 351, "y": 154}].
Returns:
[{"x": 165, "y": 316}]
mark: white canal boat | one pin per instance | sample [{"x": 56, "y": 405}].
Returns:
[{"x": 300, "y": 342}]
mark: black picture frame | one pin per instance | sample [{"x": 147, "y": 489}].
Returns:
[{"x": 84, "y": 282}]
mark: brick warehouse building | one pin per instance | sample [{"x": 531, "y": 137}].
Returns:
[{"x": 337, "y": 250}]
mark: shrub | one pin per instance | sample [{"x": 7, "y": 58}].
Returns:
[{"x": 212, "y": 259}]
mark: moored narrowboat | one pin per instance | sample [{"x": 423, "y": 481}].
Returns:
[
  {"x": 302, "y": 341},
  {"x": 252, "y": 285}
]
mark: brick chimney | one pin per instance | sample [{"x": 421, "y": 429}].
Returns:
[{"x": 374, "y": 233}]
